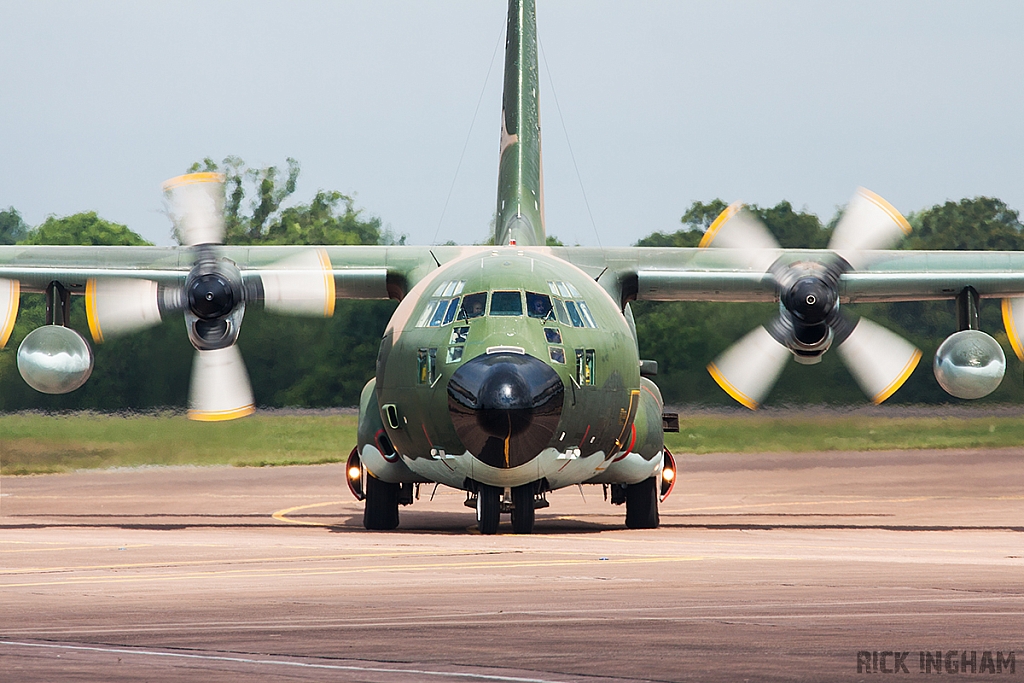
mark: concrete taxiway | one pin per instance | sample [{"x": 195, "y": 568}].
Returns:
[{"x": 767, "y": 567}]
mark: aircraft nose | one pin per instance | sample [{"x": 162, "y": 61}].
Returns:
[{"x": 505, "y": 407}]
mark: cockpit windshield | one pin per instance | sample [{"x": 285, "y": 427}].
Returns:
[
  {"x": 473, "y": 305},
  {"x": 571, "y": 310},
  {"x": 507, "y": 303},
  {"x": 538, "y": 305}
]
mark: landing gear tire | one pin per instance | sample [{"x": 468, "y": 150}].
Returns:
[
  {"x": 642, "y": 505},
  {"x": 488, "y": 509},
  {"x": 380, "y": 512},
  {"x": 522, "y": 509}
]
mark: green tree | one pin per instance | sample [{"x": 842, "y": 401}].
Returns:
[
  {"x": 793, "y": 229},
  {"x": 262, "y": 185},
  {"x": 83, "y": 228},
  {"x": 697, "y": 219},
  {"x": 330, "y": 218},
  {"x": 12, "y": 227},
  {"x": 981, "y": 223}
]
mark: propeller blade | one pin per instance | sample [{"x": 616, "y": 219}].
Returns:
[
  {"x": 879, "y": 359},
  {"x": 748, "y": 369},
  {"x": 1013, "y": 322},
  {"x": 196, "y": 203},
  {"x": 300, "y": 285},
  {"x": 220, "y": 388},
  {"x": 750, "y": 243},
  {"x": 869, "y": 222},
  {"x": 10, "y": 297},
  {"x": 114, "y": 307}
]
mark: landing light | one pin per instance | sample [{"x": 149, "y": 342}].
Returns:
[
  {"x": 354, "y": 473},
  {"x": 668, "y": 475}
]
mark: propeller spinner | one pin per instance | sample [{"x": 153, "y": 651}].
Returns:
[
  {"x": 810, "y": 320},
  {"x": 212, "y": 298}
]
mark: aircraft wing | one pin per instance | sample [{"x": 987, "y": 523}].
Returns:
[
  {"x": 645, "y": 273},
  {"x": 681, "y": 274},
  {"x": 360, "y": 272},
  {"x": 128, "y": 288}
]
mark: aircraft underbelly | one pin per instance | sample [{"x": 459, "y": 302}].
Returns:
[{"x": 559, "y": 470}]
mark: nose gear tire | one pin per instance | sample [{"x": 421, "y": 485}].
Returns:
[
  {"x": 488, "y": 509},
  {"x": 522, "y": 509}
]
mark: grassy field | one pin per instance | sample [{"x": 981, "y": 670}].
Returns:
[
  {"x": 34, "y": 443},
  {"x": 796, "y": 432}
]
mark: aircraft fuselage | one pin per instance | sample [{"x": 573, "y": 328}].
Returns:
[{"x": 511, "y": 367}]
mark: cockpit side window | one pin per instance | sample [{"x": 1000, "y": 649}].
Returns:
[
  {"x": 538, "y": 305},
  {"x": 585, "y": 313},
  {"x": 569, "y": 306},
  {"x": 574, "y": 314},
  {"x": 441, "y": 308},
  {"x": 449, "y": 315},
  {"x": 561, "y": 315},
  {"x": 507, "y": 303},
  {"x": 473, "y": 305}
]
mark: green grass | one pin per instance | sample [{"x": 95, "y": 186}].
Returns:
[
  {"x": 796, "y": 433},
  {"x": 34, "y": 443}
]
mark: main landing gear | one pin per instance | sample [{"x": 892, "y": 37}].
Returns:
[
  {"x": 491, "y": 501},
  {"x": 641, "y": 503},
  {"x": 380, "y": 511}
]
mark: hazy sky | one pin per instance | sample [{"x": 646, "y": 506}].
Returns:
[{"x": 663, "y": 102}]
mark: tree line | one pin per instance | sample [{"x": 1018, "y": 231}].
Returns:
[{"x": 321, "y": 363}]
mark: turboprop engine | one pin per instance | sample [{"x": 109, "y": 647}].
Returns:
[
  {"x": 810, "y": 320},
  {"x": 969, "y": 364}
]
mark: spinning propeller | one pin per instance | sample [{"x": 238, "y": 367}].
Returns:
[
  {"x": 809, "y": 320},
  {"x": 212, "y": 299}
]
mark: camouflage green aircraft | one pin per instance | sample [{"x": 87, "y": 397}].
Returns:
[{"x": 512, "y": 370}]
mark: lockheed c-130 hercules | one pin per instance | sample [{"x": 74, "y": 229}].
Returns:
[{"x": 512, "y": 370}]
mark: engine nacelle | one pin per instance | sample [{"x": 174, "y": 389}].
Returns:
[
  {"x": 969, "y": 364},
  {"x": 54, "y": 360}
]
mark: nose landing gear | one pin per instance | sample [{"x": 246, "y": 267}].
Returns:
[
  {"x": 521, "y": 502},
  {"x": 488, "y": 509},
  {"x": 523, "y": 512}
]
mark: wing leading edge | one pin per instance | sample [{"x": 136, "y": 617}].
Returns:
[{"x": 643, "y": 273}]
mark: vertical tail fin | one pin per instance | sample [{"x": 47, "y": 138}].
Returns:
[{"x": 520, "y": 214}]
